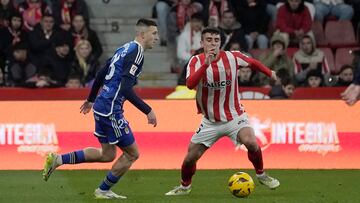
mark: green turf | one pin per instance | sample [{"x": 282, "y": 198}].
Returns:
[{"x": 315, "y": 186}]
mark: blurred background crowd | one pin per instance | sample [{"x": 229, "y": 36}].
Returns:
[{"x": 49, "y": 43}]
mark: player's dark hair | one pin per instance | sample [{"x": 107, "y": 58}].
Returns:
[
  {"x": 145, "y": 22},
  {"x": 211, "y": 30}
]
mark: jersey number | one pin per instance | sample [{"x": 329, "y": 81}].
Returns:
[{"x": 114, "y": 59}]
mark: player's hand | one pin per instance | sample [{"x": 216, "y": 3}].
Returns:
[
  {"x": 273, "y": 76},
  {"x": 351, "y": 95},
  {"x": 210, "y": 57},
  {"x": 86, "y": 107},
  {"x": 152, "y": 118}
]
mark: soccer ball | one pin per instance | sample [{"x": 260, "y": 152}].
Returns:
[{"x": 241, "y": 184}]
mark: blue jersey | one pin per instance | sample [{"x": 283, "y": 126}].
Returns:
[{"x": 126, "y": 62}]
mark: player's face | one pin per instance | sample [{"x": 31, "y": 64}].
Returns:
[
  {"x": 151, "y": 36},
  {"x": 211, "y": 42}
]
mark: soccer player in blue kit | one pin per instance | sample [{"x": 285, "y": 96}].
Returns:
[{"x": 117, "y": 79}]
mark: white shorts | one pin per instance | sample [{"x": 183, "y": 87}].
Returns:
[{"x": 209, "y": 132}]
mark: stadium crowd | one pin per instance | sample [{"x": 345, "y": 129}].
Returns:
[
  {"x": 291, "y": 37},
  {"x": 48, "y": 43}
]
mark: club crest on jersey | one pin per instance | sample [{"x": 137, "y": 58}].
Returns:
[
  {"x": 133, "y": 70},
  {"x": 217, "y": 84}
]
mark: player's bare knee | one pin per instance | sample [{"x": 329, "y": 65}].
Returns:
[
  {"x": 108, "y": 157},
  {"x": 132, "y": 157}
]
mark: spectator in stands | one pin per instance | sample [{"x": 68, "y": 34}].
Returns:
[
  {"x": 179, "y": 15},
  {"x": 355, "y": 4},
  {"x": 293, "y": 21},
  {"x": 80, "y": 31},
  {"x": 189, "y": 39},
  {"x": 231, "y": 32},
  {"x": 1, "y": 78},
  {"x": 283, "y": 90},
  {"x": 12, "y": 35},
  {"x": 55, "y": 70},
  {"x": 74, "y": 81},
  {"x": 254, "y": 21},
  {"x": 314, "y": 78},
  {"x": 162, "y": 9},
  {"x": 6, "y": 10},
  {"x": 214, "y": 10},
  {"x": 65, "y": 10},
  {"x": 85, "y": 64},
  {"x": 41, "y": 39},
  {"x": 308, "y": 58},
  {"x": 352, "y": 93},
  {"x": 277, "y": 58},
  {"x": 22, "y": 70},
  {"x": 246, "y": 77},
  {"x": 337, "y": 8},
  {"x": 32, "y": 12},
  {"x": 271, "y": 9},
  {"x": 346, "y": 76}
]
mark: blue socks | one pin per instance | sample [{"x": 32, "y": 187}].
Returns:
[
  {"x": 73, "y": 157},
  {"x": 109, "y": 181}
]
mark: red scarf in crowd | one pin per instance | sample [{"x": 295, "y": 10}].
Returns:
[
  {"x": 66, "y": 12},
  {"x": 214, "y": 14},
  {"x": 183, "y": 13},
  {"x": 32, "y": 15}
]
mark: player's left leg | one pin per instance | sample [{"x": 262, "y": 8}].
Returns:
[
  {"x": 247, "y": 137},
  {"x": 119, "y": 168}
]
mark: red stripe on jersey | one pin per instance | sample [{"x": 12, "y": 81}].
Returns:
[
  {"x": 216, "y": 105},
  {"x": 204, "y": 91},
  {"x": 228, "y": 88}
]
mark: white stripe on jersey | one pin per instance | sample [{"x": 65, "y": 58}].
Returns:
[
  {"x": 222, "y": 77},
  {"x": 218, "y": 86},
  {"x": 210, "y": 101},
  {"x": 234, "y": 83}
]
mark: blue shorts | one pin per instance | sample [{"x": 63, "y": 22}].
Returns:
[{"x": 113, "y": 129}]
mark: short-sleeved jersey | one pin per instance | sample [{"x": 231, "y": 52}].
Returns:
[
  {"x": 217, "y": 95},
  {"x": 126, "y": 62}
]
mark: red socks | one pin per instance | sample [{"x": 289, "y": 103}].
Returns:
[
  {"x": 187, "y": 173},
  {"x": 256, "y": 160}
]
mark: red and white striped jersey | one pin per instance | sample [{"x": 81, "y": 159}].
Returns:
[{"x": 217, "y": 94}]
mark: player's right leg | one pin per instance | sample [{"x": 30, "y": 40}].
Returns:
[
  {"x": 195, "y": 151},
  {"x": 130, "y": 154}
]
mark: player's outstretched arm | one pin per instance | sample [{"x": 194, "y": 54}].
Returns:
[
  {"x": 254, "y": 64},
  {"x": 351, "y": 95}
]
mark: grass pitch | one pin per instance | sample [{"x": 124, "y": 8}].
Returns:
[{"x": 330, "y": 186}]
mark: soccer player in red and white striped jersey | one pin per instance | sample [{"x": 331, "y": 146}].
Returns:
[{"x": 214, "y": 75}]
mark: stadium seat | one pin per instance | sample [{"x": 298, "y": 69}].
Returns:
[
  {"x": 256, "y": 53},
  {"x": 340, "y": 34},
  {"x": 343, "y": 56},
  {"x": 291, "y": 51},
  {"x": 330, "y": 58},
  {"x": 319, "y": 34}
]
